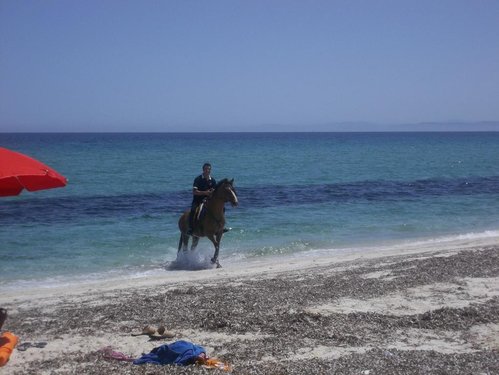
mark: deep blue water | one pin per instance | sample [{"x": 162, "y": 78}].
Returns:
[{"x": 298, "y": 192}]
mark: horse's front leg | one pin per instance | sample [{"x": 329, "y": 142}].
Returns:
[
  {"x": 216, "y": 242},
  {"x": 195, "y": 241}
]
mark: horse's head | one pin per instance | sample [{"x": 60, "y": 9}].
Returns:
[{"x": 225, "y": 190}]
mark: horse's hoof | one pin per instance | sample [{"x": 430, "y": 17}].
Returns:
[{"x": 215, "y": 261}]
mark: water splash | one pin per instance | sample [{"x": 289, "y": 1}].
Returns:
[{"x": 191, "y": 261}]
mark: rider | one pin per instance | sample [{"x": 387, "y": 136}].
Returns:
[{"x": 203, "y": 187}]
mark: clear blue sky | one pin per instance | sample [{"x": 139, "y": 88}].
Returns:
[{"x": 118, "y": 65}]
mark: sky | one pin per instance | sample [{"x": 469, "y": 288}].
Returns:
[{"x": 262, "y": 65}]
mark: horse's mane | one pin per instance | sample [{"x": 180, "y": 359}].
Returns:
[{"x": 220, "y": 183}]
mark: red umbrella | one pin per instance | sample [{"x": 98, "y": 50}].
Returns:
[{"x": 18, "y": 172}]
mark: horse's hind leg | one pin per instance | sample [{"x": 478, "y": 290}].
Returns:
[
  {"x": 195, "y": 241},
  {"x": 185, "y": 242}
]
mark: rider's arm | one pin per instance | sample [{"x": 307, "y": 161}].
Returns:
[{"x": 195, "y": 191}]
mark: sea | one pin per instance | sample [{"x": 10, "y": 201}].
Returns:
[{"x": 300, "y": 195}]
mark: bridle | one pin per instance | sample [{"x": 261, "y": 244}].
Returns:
[
  {"x": 231, "y": 194},
  {"x": 231, "y": 197}
]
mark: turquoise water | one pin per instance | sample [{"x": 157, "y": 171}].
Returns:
[{"x": 299, "y": 192}]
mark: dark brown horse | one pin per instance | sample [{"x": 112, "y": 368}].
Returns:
[{"x": 212, "y": 223}]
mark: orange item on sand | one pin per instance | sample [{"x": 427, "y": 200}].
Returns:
[
  {"x": 214, "y": 363},
  {"x": 8, "y": 342}
]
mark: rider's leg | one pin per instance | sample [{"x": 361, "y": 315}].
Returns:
[{"x": 191, "y": 219}]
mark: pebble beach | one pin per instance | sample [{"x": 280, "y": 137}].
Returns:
[{"x": 432, "y": 312}]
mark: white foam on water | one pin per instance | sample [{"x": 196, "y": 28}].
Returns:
[
  {"x": 191, "y": 261},
  {"x": 464, "y": 237},
  {"x": 475, "y": 239},
  {"x": 75, "y": 280},
  {"x": 472, "y": 239},
  {"x": 200, "y": 259}
]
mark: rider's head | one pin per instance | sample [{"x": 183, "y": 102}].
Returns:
[{"x": 206, "y": 167}]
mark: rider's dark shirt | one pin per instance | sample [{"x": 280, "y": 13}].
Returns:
[{"x": 202, "y": 184}]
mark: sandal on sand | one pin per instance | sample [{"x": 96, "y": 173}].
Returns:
[
  {"x": 161, "y": 334},
  {"x": 165, "y": 335},
  {"x": 147, "y": 330},
  {"x": 25, "y": 345},
  {"x": 155, "y": 334}
]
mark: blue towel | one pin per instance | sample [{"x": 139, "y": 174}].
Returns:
[{"x": 181, "y": 353}]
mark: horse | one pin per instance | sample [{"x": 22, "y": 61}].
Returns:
[{"x": 212, "y": 222}]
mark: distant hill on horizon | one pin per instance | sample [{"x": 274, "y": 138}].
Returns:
[
  {"x": 379, "y": 127},
  {"x": 343, "y": 127}
]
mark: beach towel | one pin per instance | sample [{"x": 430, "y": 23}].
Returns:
[{"x": 180, "y": 352}]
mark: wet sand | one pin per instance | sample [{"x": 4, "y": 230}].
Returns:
[{"x": 431, "y": 312}]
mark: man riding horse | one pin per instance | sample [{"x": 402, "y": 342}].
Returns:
[
  {"x": 211, "y": 222},
  {"x": 203, "y": 187}
]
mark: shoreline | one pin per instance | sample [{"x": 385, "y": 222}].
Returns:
[
  {"x": 416, "y": 308},
  {"x": 248, "y": 267},
  {"x": 155, "y": 268}
]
